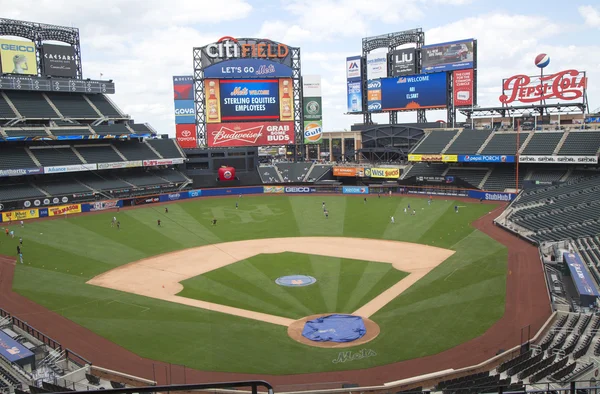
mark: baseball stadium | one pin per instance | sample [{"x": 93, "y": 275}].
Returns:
[{"x": 255, "y": 252}]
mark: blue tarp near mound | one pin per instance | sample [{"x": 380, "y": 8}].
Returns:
[{"x": 335, "y": 328}]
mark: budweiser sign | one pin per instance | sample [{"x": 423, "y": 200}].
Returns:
[
  {"x": 250, "y": 134},
  {"x": 564, "y": 85}
]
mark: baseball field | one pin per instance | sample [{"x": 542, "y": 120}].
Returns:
[{"x": 192, "y": 293}]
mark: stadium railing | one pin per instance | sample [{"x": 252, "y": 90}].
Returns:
[{"x": 253, "y": 385}]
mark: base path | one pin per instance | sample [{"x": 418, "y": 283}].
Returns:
[
  {"x": 527, "y": 309},
  {"x": 160, "y": 276}
]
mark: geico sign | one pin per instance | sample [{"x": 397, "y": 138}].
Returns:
[
  {"x": 231, "y": 48},
  {"x": 297, "y": 189},
  {"x": 17, "y": 48}
]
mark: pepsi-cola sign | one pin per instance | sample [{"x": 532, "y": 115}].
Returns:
[{"x": 564, "y": 85}]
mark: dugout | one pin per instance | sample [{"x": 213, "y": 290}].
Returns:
[
  {"x": 15, "y": 352},
  {"x": 582, "y": 280}
]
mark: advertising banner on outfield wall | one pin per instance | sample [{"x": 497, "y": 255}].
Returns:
[
  {"x": 298, "y": 189},
  {"x": 64, "y": 210},
  {"x": 355, "y": 190},
  {"x": 559, "y": 159},
  {"x": 174, "y": 196},
  {"x": 491, "y": 196},
  {"x": 273, "y": 189},
  {"x": 194, "y": 193},
  {"x": 232, "y": 191},
  {"x": 391, "y": 173},
  {"x": 18, "y": 57},
  {"x": 433, "y": 158},
  {"x": 486, "y": 159},
  {"x": 146, "y": 200},
  {"x": 101, "y": 205},
  {"x": 20, "y": 215}
]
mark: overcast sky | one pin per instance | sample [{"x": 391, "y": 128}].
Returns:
[{"x": 141, "y": 44}]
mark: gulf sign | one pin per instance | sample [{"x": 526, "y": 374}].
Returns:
[
  {"x": 567, "y": 85},
  {"x": 250, "y": 134},
  {"x": 389, "y": 173},
  {"x": 313, "y": 132},
  {"x": 231, "y": 48}
]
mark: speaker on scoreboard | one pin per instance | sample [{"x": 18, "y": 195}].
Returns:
[{"x": 226, "y": 174}]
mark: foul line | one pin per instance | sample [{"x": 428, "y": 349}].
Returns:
[{"x": 144, "y": 308}]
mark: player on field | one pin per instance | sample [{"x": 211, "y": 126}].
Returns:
[
  {"x": 392, "y": 219},
  {"x": 214, "y": 222},
  {"x": 166, "y": 210}
]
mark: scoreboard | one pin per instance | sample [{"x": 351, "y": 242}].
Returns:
[{"x": 43, "y": 84}]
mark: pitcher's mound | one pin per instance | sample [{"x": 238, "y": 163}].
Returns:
[{"x": 296, "y": 329}]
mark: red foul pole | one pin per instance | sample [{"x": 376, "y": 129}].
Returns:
[{"x": 517, "y": 153}]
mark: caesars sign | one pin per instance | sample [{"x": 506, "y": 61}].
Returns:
[
  {"x": 229, "y": 48},
  {"x": 563, "y": 85}
]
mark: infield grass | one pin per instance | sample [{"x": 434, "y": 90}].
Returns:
[{"x": 455, "y": 302}]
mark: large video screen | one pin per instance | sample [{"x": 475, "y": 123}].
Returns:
[
  {"x": 448, "y": 56},
  {"x": 249, "y": 99},
  {"x": 414, "y": 92}
]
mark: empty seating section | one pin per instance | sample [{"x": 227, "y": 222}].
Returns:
[
  {"x": 143, "y": 179},
  {"x": 102, "y": 181},
  {"x": 56, "y": 156},
  {"x": 503, "y": 178},
  {"x": 435, "y": 142},
  {"x": 552, "y": 175},
  {"x": 468, "y": 142},
  {"x": 63, "y": 186},
  {"x": 14, "y": 158},
  {"x": 504, "y": 144},
  {"x": 318, "y": 172},
  {"x": 473, "y": 177},
  {"x": 543, "y": 143},
  {"x": 19, "y": 192},
  {"x": 115, "y": 129},
  {"x": 425, "y": 169},
  {"x": 104, "y": 106},
  {"x": 139, "y": 128},
  {"x": 6, "y": 112},
  {"x": 566, "y": 211},
  {"x": 31, "y": 104},
  {"x": 73, "y": 105},
  {"x": 135, "y": 151},
  {"x": 583, "y": 143},
  {"x": 99, "y": 154},
  {"x": 171, "y": 176},
  {"x": 293, "y": 172},
  {"x": 70, "y": 131},
  {"x": 268, "y": 174},
  {"x": 166, "y": 148},
  {"x": 22, "y": 132}
]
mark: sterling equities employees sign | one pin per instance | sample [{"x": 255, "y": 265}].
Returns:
[{"x": 565, "y": 85}]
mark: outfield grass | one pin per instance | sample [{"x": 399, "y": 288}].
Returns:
[
  {"x": 455, "y": 302},
  {"x": 343, "y": 285}
]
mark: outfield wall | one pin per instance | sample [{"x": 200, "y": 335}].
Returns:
[{"x": 68, "y": 209}]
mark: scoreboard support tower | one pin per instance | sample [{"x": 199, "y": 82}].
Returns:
[{"x": 391, "y": 41}]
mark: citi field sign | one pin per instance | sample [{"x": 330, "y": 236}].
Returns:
[{"x": 227, "y": 48}]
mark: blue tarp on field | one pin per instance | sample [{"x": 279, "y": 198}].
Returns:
[{"x": 335, "y": 328}]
